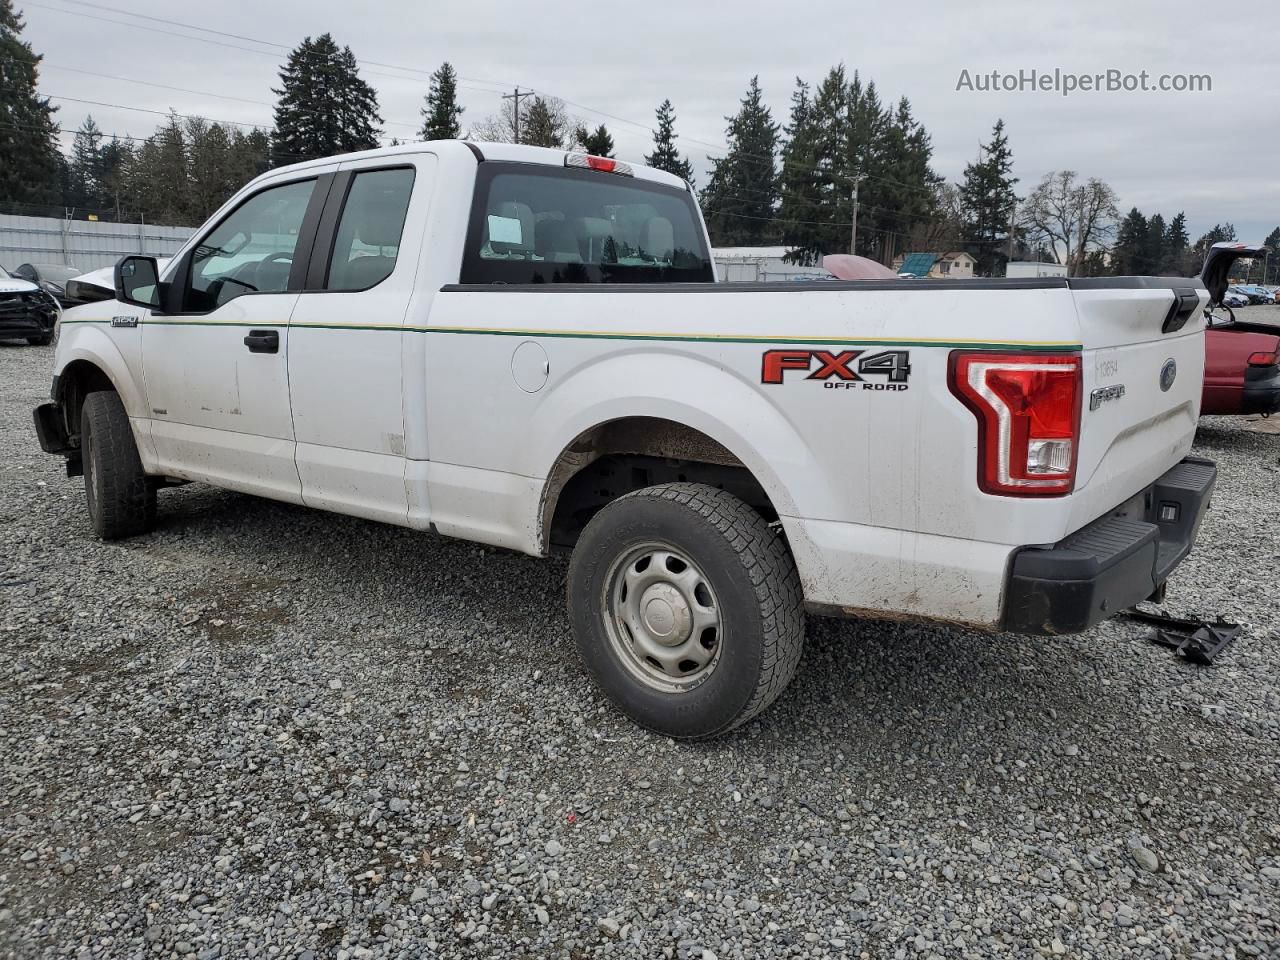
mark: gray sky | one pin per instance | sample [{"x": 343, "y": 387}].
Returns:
[{"x": 1211, "y": 154}]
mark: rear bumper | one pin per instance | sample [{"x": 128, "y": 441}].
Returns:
[
  {"x": 1114, "y": 562},
  {"x": 1261, "y": 392}
]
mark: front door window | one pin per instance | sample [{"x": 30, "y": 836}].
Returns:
[{"x": 251, "y": 251}]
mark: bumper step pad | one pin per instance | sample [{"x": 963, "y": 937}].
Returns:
[{"x": 1113, "y": 563}]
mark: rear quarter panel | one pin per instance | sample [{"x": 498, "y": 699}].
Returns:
[{"x": 897, "y": 459}]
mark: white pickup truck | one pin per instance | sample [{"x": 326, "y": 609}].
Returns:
[{"x": 528, "y": 348}]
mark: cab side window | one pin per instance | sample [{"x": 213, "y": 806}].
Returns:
[
  {"x": 368, "y": 237},
  {"x": 251, "y": 251}
]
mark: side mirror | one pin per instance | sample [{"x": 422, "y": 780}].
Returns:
[{"x": 137, "y": 281}]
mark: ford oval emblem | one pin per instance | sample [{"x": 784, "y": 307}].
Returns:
[{"x": 1168, "y": 374}]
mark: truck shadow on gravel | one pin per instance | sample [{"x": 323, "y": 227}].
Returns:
[{"x": 429, "y": 601}]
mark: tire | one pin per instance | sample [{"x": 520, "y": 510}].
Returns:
[
  {"x": 120, "y": 499},
  {"x": 41, "y": 341},
  {"x": 734, "y": 582}
]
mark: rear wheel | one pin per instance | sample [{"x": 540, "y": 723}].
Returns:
[
  {"x": 687, "y": 608},
  {"x": 120, "y": 497}
]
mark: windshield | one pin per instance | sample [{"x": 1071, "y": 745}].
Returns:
[
  {"x": 5, "y": 273},
  {"x": 537, "y": 224},
  {"x": 57, "y": 272}
]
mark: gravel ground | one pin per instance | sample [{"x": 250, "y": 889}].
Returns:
[{"x": 266, "y": 732}]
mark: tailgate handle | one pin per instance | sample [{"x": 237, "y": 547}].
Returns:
[{"x": 1185, "y": 301}]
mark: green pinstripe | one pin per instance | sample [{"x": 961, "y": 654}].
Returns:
[{"x": 1055, "y": 346}]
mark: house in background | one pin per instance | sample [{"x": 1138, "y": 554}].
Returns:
[{"x": 950, "y": 266}]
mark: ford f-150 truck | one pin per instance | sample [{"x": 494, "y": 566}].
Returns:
[{"x": 528, "y": 348}]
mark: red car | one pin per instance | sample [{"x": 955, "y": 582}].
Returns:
[{"x": 1242, "y": 358}]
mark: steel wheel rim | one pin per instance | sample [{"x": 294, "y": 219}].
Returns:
[{"x": 662, "y": 617}]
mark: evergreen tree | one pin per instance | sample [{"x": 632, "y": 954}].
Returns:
[
  {"x": 801, "y": 183},
  {"x": 1153, "y": 249},
  {"x": 987, "y": 201},
  {"x": 114, "y": 159},
  {"x": 597, "y": 142},
  {"x": 156, "y": 182},
  {"x": 665, "y": 156},
  {"x": 441, "y": 112},
  {"x": 31, "y": 166},
  {"x": 1267, "y": 263},
  {"x": 324, "y": 108},
  {"x": 85, "y": 170},
  {"x": 1130, "y": 246},
  {"x": 818, "y": 201},
  {"x": 741, "y": 198},
  {"x": 210, "y": 176},
  {"x": 1219, "y": 233},
  {"x": 543, "y": 125},
  {"x": 1175, "y": 249},
  {"x": 903, "y": 190}
]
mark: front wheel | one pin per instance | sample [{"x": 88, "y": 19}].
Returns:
[
  {"x": 120, "y": 497},
  {"x": 686, "y": 608}
]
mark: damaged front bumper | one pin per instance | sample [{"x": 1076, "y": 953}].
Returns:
[{"x": 1111, "y": 564}]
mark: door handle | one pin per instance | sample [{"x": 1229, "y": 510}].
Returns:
[{"x": 263, "y": 341}]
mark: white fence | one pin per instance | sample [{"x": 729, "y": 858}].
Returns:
[
  {"x": 759, "y": 265},
  {"x": 83, "y": 244}
]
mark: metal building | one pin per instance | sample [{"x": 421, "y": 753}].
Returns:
[{"x": 83, "y": 244}]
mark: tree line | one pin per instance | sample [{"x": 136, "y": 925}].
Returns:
[{"x": 844, "y": 152}]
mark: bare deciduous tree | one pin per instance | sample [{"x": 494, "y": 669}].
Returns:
[
  {"x": 542, "y": 121},
  {"x": 1074, "y": 216},
  {"x": 944, "y": 231}
]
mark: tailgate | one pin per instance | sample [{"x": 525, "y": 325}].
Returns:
[{"x": 1143, "y": 375}]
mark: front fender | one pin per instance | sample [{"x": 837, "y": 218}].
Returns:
[
  {"x": 92, "y": 342},
  {"x": 665, "y": 383}
]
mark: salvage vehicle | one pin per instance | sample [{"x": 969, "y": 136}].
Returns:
[
  {"x": 1242, "y": 358},
  {"x": 49, "y": 277},
  {"x": 528, "y": 348},
  {"x": 26, "y": 312}
]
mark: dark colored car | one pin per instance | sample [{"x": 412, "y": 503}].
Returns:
[
  {"x": 1241, "y": 358},
  {"x": 49, "y": 277},
  {"x": 27, "y": 312}
]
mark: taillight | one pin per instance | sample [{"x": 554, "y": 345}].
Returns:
[
  {"x": 1262, "y": 359},
  {"x": 1028, "y": 410},
  {"x": 599, "y": 164}
]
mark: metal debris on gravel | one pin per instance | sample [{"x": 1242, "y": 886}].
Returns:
[{"x": 266, "y": 732}]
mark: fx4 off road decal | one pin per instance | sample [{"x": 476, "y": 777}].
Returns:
[{"x": 840, "y": 369}]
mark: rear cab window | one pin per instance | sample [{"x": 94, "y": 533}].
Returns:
[
  {"x": 533, "y": 224},
  {"x": 368, "y": 240}
]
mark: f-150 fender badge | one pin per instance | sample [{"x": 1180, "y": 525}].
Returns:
[
  {"x": 1104, "y": 394},
  {"x": 124, "y": 321},
  {"x": 835, "y": 368}
]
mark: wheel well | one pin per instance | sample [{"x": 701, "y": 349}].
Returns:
[
  {"x": 77, "y": 380},
  {"x": 615, "y": 458}
]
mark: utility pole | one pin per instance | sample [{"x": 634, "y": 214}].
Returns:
[
  {"x": 516, "y": 105},
  {"x": 853, "y": 233},
  {"x": 1013, "y": 226}
]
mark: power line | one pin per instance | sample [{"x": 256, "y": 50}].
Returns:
[
  {"x": 420, "y": 71},
  {"x": 274, "y": 54},
  {"x": 199, "y": 93}
]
